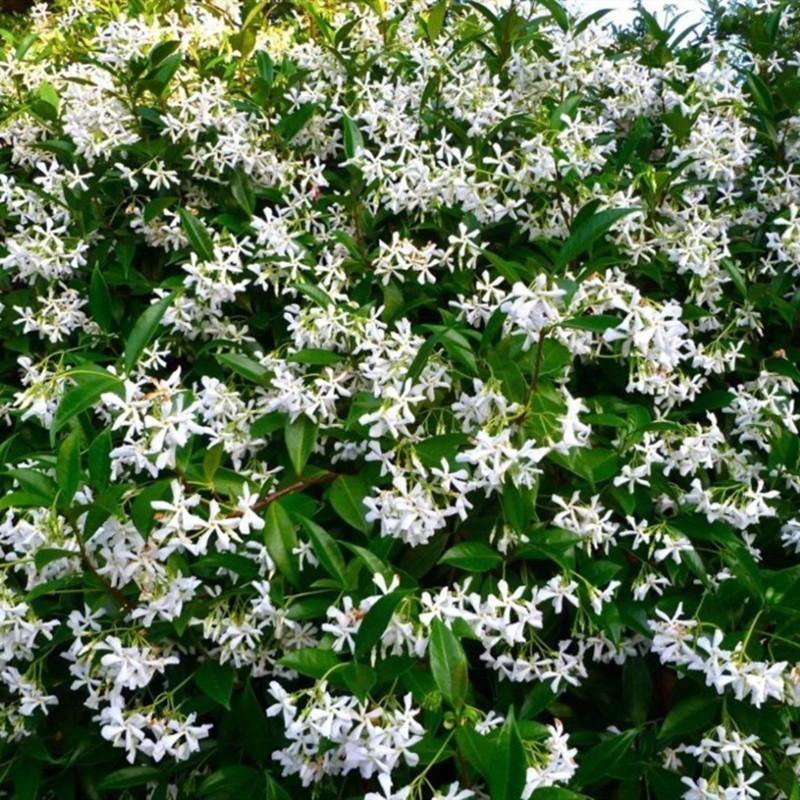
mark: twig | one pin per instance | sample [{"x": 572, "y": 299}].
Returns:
[{"x": 297, "y": 486}]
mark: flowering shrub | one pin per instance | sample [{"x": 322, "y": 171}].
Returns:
[{"x": 398, "y": 401}]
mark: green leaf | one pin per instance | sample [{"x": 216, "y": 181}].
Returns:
[
  {"x": 353, "y": 141},
  {"x": 472, "y": 557},
  {"x": 374, "y": 564},
  {"x": 315, "y": 356},
  {"x": 476, "y": 749},
  {"x": 448, "y": 665},
  {"x": 212, "y": 460},
  {"x": 68, "y": 467},
  {"x": 315, "y": 293},
  {"x": 274, "y": 791},
  {"x": 128, "y": 777},
  {"x": 327, "y": 551},
  {"x": 141, "y": 511},
  {"x": 233, "y": 778},
  {"x": 144, "y": 330},
  {"x": 265, "y": 67},
  {"x": 47, "y": 555},
  {"x": 267, "y": 424},
  {"x": 436, "y": 20},
  {"x": 280, "y": 540},
  {"x": 245, "y": 366},
  {"x": 587, "y": 231},
  {"x": 637, "y": 689},
  {"x": 100, "y": 300},
  {"x": 596, "y": 323},
  {"x": 162, "y": 51},
  {"x": 358, "y": 678},
  {"x": 692, "y": 714},
  {"x": 557, "y": 793},
  {"x": 216, "y": 680},
  {"x": 24, "y": 500},
  {"x": 49, "y": 96},
  {"x": 252, "y": 726},
  {"x": 198, "y": 236},
  {"x": 347, "y": 495},
  {"x": 92, "y": 383},
  {"x": 293, "y": 123},
  {"x": 595, "y": 765},
  {"x": 736, "y": 276},
  {"x": 376, "y": 621},
  {"x": 517, "y": 505},
  {"x": 300, "y": 437},
  {"x": 311, "y": 661},
  {"x": 509, "y": 763},
  {"x": 242, "y": 191},
  {"x": 762, "y": 99},
  {"x": 559, "y": 16}
]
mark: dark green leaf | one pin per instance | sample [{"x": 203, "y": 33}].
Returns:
[
  {"x": 244, "y": 366},
  {"x": 587, "y": 232},
  {"x": 692, "y": 714},
  {"x": 233, "y": 778},
  {"x": 448, "y": 664},
  {"x": 376, "y": 621},
  {"x": 327, "y": 551},
  {"x": 144, "y": 330},
  {"x": 300, "y": 436},
  {"x": 216, "y": 680},
  {"x": 595, "y": 765},
  {"x": 507, "y": 771},
  {"x": 280, "y": 541},
  {"x": 92, "y": 382},
  {"x": 68, "y": 467},
  {"x": 100, "y": 300},
  {"x": 311, "y": 661},
  {"x": 347, "y": 495},
  {"x": 472, "y": 557},
  {"x": 242, "y": 191},
  {"x": 128, "y": 777},
  {"x": 596, "y": 323},
  {"x": 198, "y": 236},
  {"x": 353, "y": 141}
]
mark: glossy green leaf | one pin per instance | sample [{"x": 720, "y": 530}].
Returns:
[
  {"x": 300, "y": 436},
  {"x": 326, "y": 549},
  {"x": 311, "y": 661},
  {"x": 144, "y": 329},
  {"x": 347, "y": 495},
  {"x": 448, "y": 664},
  {"x": 509, "y": 763},
  {"x": 692, "y": 714},
  {"x": 587, "y": 232},
  {"x": 596, "y": 763},
  {"x": 68, "y": 467},
  {"x": 92, "y": 383},
  {"x": 198, "y": 236},
  {"x": 375, "y": 622},
  {"x": 280, "y": 541},
  {"x": 472, "y": 557},
  {"x": 216, "y": 680}
]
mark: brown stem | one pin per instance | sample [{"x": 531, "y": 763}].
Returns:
[
  {"x": 297, "y": 486},
  {"x": 535, "y": 382},
  {"x": 118, "y": 596}
]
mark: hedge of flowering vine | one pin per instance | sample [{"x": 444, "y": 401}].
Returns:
[{"x": 397, "y": 401}]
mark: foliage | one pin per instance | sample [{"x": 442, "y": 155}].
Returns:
[{"x": 398, "y": 401}]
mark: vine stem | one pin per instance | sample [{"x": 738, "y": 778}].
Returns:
[
  {"x": 534, "y": 385},
  {"x": 297, "y": 486},
  {"x": 114, "y": 591}
]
